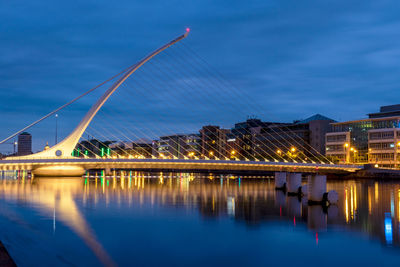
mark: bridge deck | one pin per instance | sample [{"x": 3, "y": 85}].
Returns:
[{"x": 177, "y": 164}]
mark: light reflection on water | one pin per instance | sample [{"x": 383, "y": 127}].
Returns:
[{"x": 97, "y": 220}]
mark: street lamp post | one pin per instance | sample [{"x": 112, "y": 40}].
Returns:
[
  {"x": 15, "y": 146},
  {"x": 56, "y": 138},
  {"x": 347, "y": 153}
]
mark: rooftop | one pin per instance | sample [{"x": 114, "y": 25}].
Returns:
[
  {"x": 369, "y": 119},
  {"x": 316, "y": 117},
  {"x": 386, "y": 111}
]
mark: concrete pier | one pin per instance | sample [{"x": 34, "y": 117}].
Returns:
[
  {"x": 280, "y": 180},
  {"x": 316, "y": 188},
  {"x": 293, "y": 183}
]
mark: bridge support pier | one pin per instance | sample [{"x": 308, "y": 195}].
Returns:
[
  {"x": 293, "y": 184},
  {"x": 280, "y": 180},
  {"x": 107, "y": 172},
  {"x": 316, "y": 188}
]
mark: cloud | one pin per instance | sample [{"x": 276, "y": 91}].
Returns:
[{"x": 284, "y": 60}]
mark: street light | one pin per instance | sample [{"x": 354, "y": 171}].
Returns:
[
  {"x": 347, "y": 155},
  {"x": 56, "y": 141},
  {"x": 293, "y": 149}
]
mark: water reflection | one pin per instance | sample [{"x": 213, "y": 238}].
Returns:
[
  {"x": 56, "y": 196},
  {"x": 368, "y": 207}
]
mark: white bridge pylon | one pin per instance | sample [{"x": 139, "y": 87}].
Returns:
[{"x": 65, "y": 147}]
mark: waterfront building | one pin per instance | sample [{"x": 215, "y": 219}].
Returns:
[
  {"x": 213, "y": 142},
  {"x": 177, "y": 146},
  {"x": 24, "y": 144},
  {"x": 141, "y": 149},
  {"x": 301, "y": 139},
  {"x": 243, "y": 134},
  {"x": 234, "y": 146},
  {"x": 193, "y": 145},
  {"x": 372, "y": 140}
]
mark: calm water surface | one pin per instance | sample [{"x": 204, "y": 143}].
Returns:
[{"x": 186, "y": 219}]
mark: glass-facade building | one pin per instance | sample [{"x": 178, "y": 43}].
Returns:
[{"x": 372, "y": 140}]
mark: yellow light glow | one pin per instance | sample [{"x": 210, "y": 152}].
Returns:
[
  {"x": 351, "y": 148},
  {"x": 346, "y": 208},
  {"x": 370, "y": 201},
  {"x": 211, "y": 153},
  {"x": 279, "y": 151},
  {"x": 293, "y": 149},
  {"x": 233, "y": 152},
  {"x": 398, "y": 204},
  {"x": 376, "y": 165},
  {"x": 346, "y": 144}
]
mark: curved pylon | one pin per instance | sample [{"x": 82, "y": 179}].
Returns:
[{"x": 66, "y": 146}]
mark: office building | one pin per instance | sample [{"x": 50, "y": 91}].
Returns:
[
  {"x": 178, "y": 146},
  {"x": 372, "y": 140},
  {"x": 24, "y": 144},
  {"x": 302, "y": 139},
  {"x": 213, "y": 142}
]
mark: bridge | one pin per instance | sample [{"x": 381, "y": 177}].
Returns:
[
  {"x": 77, "y": 166},
  {"x": 57, "y": 160}
]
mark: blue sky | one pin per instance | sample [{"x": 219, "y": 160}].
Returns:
[{"x": 337, "y": 58}]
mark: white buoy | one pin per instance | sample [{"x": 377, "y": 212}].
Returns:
[
  {"x": 280, "y": 179},
  {"x": 293, "y": 182},
  {"x": 316, "y": 188},
  {"x": 333, "y": 197}
]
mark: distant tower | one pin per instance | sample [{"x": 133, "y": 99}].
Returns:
[{"x": 24, "y": 144}]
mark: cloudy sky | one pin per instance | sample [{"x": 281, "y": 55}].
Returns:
[{"x": 337, "y": 58}]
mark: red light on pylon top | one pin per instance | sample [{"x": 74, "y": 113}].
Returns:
[{"x": 187, "y": 29}]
